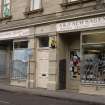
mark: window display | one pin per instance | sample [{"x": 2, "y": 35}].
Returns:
[
  {"x": 74, "y": 64},
  {"x": 93, "y": 64},
  {"x": 20, "y": 60}
]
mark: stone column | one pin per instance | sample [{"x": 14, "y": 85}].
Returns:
[
  {"x": 52, "y": 78},
  {"x": 31, "y": 64}
]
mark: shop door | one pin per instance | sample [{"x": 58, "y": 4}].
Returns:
[
  {"x": 42, "y": 68},
  {"x": 3, "y": 63},
  {"x": 62, "y": 74}
]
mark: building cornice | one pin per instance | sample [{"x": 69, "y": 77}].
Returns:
[{"x": 51, "y": 18}]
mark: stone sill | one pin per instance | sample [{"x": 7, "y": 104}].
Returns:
[
  {"x": 75, "y": 3},
  {"x": 5, "y": 18},
  {"x": 33, "y": 11}
]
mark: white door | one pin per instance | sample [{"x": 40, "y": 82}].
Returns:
[{"x": 42, "y": 68}]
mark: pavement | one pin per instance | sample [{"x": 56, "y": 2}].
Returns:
[
  {"x": 10, "y": 98},
  {"x": 64, "y": 95}
]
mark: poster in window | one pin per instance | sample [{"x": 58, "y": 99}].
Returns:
[{"x": 52, "y": 42}]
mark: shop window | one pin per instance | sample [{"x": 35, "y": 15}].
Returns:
[
  {"x": 20, "y": 60},
  {"x": 93, "y": 59},
  {"x": 22, "y": 44},
  {"x": 44, "y": 42}
]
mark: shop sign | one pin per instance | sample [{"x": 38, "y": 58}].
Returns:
[
  {"x": 81, "y": 24},
  {"x": 14, "y": 34}
]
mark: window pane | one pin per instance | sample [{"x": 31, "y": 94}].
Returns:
[
  {"x": 0, "y": 7},
  {"x": 20, "y": 64},
  {"x": 6, "y": 2},
  {"x": 6, "y": 8},
  {"x": 43, "y": 41},
  {"x": 35, "y": 4}
]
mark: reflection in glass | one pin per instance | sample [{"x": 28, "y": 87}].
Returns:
[
  {"x": 20, "y": 64},
  {"x": 93, "y": 64}
]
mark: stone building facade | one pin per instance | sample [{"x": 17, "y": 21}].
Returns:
[{"x": 55, "y": 45}]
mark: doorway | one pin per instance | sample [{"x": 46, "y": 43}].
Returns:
[
  {"x": 69, "y": 50},
  {"x": 42, "y": 62},
  {"x": 5, "y": 61}
]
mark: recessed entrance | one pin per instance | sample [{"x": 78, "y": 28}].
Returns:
[
  {"x": 5, "y": 61},
  {"x": 69, "y": 57}
]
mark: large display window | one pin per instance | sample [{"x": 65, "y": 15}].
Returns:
[
  {"x": 20, "y": 60},
  {"x": 93, "y": 59}
]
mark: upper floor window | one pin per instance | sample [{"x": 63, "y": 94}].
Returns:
[
  {"x": 6, "y": 8},
  {"x": 35, "y": 5},
  {"x": 0, "y": 8},
  {"x": 71, "y": 0}
]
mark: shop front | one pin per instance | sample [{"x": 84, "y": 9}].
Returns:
[
  {"x": 14, "y": 56},
  {"x": 81, "y": 49},
  {"x": 69, "y": 61},
  {"x": 93, "y": 62}
]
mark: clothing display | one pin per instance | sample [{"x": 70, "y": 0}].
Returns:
[
  {"x": 93, "y": 65},
  {"x": 74, "y": 64}
]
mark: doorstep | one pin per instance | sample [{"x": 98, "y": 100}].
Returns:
[{"x": 99, "y": 100}]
